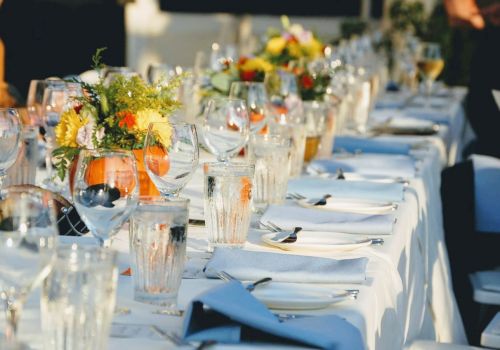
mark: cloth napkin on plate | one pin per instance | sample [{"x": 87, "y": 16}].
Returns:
[
  {"x": 354, "y": 144},
  {"x": 288, "y": 217},
  {"x": 249, "y": 265},
  {"x": 317, "y": 187},
  {"x": 369, "y": 164},
  {"x": 230, "y": 314}
]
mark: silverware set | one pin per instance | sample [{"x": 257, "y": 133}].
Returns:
[{"x": 283, "y": 236}]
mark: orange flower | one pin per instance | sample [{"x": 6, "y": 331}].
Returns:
[{"x": 126, "y": 119}]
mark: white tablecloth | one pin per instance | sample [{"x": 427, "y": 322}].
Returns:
[{"x": 407, "y": 294}]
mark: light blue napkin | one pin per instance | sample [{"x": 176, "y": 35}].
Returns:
[
  {"x": 315, "y": 187},
  {"x": 230, "y": 314},
  {"x": 392, "y": 165},
  {"x": 486, "y": 192},
  {"x": 354, "y": 144}
]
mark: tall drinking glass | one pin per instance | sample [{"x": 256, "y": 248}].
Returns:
[
  {"x": 28, "y": 236},
  {"x": 34, "y": 102},
  {"x": 54, "y": 102},
  {"x": 430, "y": 64},
  {"x": 78, "y": 298},
  {"x": 228, "y": 203},
  {"x": 225, "y": 127},
  {"x": 106, "y": 191},
  {"x": 271, "y": 155},
  {"x": 158, "y": 234},
  {"x": 10, "y": 139},
  {"x": 255, "y": 96},
  {"x": 171, "y": 156},
  {"x": 314, "y": 113}
]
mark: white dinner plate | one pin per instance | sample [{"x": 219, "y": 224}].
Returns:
[
  {"x": 291, "y": 296},
  {"x": 319, "y": 241},
  {"x": 349, "y": 205}
]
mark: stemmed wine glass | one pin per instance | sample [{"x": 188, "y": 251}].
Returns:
[
  {"x": 171, "y": 155},
  {"x": 106, "y": 191},
  {"x": 28, "y": 237},
  {"x": 226, "y": 127},
  {"x": 10, "y": 139},
  {"x": 255, "y": 96},
  {"x": 430, "y": 64}
]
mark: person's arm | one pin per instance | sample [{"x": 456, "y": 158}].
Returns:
[{"x": 464, "y": 13}]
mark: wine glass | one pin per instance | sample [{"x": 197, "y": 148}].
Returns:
[
  {"x": 171, "y": 155},
  {"x": 106, "y": 191},
  {"x": 28, "y": 237},
  {"x": 226, "y": 127},
  {"x": 430, "y": 64},
  {"x": 10, "y": 139},
  {"x": 159, "y": 73},
  {"x": 255, "y": 95}
]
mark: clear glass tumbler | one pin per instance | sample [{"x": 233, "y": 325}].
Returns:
[
  {"x": 78, "y": 298},
  {"x": 228, "y": 203},
  {"x": 271, "y": 155},
  {"x": 158, "y": 233}
]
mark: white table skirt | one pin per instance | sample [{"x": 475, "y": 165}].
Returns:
[{"x": 407, "y": 294}]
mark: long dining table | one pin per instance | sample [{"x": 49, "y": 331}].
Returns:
[{"x": 407, "y": 293}]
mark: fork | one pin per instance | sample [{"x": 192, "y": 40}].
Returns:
[
  {"x": 177, "y": 340},
  {"x": 284, "y": 236},
  {"x": 223, "y": 275}
]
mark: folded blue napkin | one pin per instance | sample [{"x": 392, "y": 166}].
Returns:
[
  {"x": 486, "y": 192},
  {"x": 230, "y": 314},
  {"x": 354, "y": 144},
  {"x": 393, "y": 165},
  {"x": 314, "y": 187}
]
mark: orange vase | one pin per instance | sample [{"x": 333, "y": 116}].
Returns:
[{"x": 146, "y": 186}]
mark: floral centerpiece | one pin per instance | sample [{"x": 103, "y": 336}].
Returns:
[
  {"x": 292, "y": 43},
  {"x": 114, "y": 115},
  {"x": 247, "y": 68}
]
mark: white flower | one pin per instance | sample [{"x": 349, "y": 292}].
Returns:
[
  {"x": 302, "y": 35},
  {"x": 84, "y": 136}
]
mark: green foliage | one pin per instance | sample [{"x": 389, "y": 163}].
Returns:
[
  {"x": 351, "y": 27},
  {"x": 408, "y": 16}
]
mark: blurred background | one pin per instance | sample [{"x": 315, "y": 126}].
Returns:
[{"x": 57, "y": 37}]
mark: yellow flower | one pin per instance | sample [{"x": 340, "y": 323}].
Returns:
[
  {"x": 164, "y": 130},
  {"x": 314, "y": 48},
  {"x": 67, "y": 129},
  {"x": 256, "y": 64},
  {"x": 294, "y": 49},
  {"x": 276, "y": 45}
]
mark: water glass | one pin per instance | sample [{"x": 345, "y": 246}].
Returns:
[
  {"x": 271, "y": 155},
  {"x": 315, "y": 115},
  {"x": 10, "y": 138},
  {"x": 158, "y": 233},
  {"x": 228, "y": 203},
  {"x": 328, "y": 136},
  {"x": 255, "y": 95},
  {"x": 78, "y": 298}
]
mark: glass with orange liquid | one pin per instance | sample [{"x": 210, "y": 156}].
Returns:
[{"x": 315, "y": 115}]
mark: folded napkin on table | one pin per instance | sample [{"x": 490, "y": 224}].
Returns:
[
  {"x": 230, "y": 314},
  {"x": 249, "y": 265},
  {"x": 369, "y": 145},
  {"x": 288, "y": 217},
  {"x": 317, "y": 187},
  {"x": 369, "y": 164}
]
